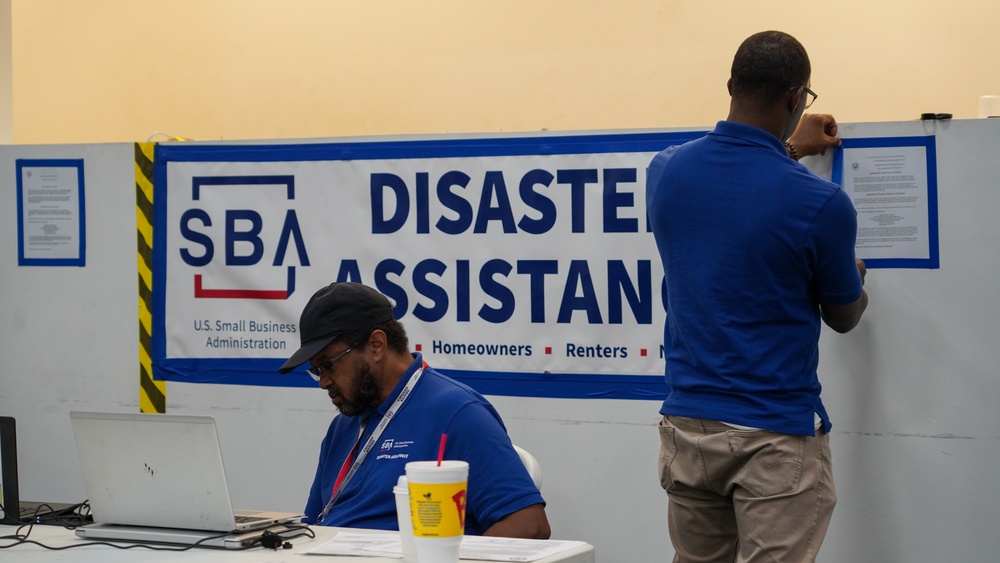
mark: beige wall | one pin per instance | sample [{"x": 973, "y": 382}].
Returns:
[
  {"x": 118, "y": 70},
  {"x": 6, "y": 82}
]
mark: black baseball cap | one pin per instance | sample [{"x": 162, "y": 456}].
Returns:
[{"x": 339, "y": 308}]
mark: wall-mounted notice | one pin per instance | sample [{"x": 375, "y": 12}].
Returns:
[
  {"x": 893, "y": 183},
  {"x": 50, "y": 213}
]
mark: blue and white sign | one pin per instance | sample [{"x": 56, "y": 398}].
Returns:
[{"x": 523, "y": 266}]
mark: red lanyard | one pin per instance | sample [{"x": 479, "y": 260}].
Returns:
[{"x": 345, "y": 468}]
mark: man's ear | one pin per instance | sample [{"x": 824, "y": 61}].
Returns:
[
  {"x": 378, "y": 342},
  {"x": 729, "y": 87},
  {"x": 794, "y": 97}
]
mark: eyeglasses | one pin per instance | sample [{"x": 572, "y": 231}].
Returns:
[
  {"x": 326, "y": 367},
  {"x": 812, "y": 95}
]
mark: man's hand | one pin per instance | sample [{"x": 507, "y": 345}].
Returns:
[{"x": 815, "y": 133}]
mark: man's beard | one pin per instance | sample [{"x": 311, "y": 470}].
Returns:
[{"x": 365, "y": 391}]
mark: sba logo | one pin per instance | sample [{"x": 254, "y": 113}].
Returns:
[{"x": 242, "y": 229}]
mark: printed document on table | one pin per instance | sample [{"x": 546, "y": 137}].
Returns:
[
  {"x": 473, "y": 547},
  {"x": 894, "y": 192}
]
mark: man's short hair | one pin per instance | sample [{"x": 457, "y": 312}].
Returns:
[
  {"x": 395, "y": 336},
  {"x": 767, "y": 65}
]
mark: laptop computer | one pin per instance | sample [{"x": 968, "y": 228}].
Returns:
[
  {"x": 14, "y": 510},
  {"x": 160, "y": 478},
  {"x": 9, "y": 506}
]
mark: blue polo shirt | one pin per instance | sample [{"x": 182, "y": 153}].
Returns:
[
  {"x": 751, "y": 242},
  {"x": 498, "y": 484}
]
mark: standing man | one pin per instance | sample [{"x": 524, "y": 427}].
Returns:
[
  {"x": 393, "y": 410},
  {"x": 756, "y": 251}
]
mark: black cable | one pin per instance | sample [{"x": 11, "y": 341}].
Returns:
[
  {"x": 273, "y": 540},
  {"x": 69, "y": 517}
]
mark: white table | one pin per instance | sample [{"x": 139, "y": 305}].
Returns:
[{"x": 55, "y": 536}]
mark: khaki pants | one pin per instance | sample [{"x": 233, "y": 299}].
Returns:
[{"x": 744, "y": 496}]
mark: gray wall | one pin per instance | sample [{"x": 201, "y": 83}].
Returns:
[{"x": 912, "y": 391}]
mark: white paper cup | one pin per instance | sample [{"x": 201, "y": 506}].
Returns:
[
  {"x": 437, "y": 508},
  {"x": 402, "y": 492}
]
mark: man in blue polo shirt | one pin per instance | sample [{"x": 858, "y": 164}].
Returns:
[
  {"x": 390, "y": 398},
  {"x": 757, "y": 251}
]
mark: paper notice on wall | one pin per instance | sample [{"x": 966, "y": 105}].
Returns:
[
  {"x": 50, "y": 212},
  {"x": 892, "y": 188}
]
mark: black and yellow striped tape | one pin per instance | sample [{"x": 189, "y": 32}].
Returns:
[{"x": 152, "y": 394}]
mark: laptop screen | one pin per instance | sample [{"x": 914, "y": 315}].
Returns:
[
  {"x": 153, "y": 470},
  {"x": 9, "y": 506}
]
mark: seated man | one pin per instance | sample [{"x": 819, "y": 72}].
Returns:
[{"x": 398, "y": 406}]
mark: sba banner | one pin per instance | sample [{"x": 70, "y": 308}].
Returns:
[{"x": 519, "y": 265}]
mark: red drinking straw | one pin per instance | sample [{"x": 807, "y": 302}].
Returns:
[{"x": 444, "y": 438}]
